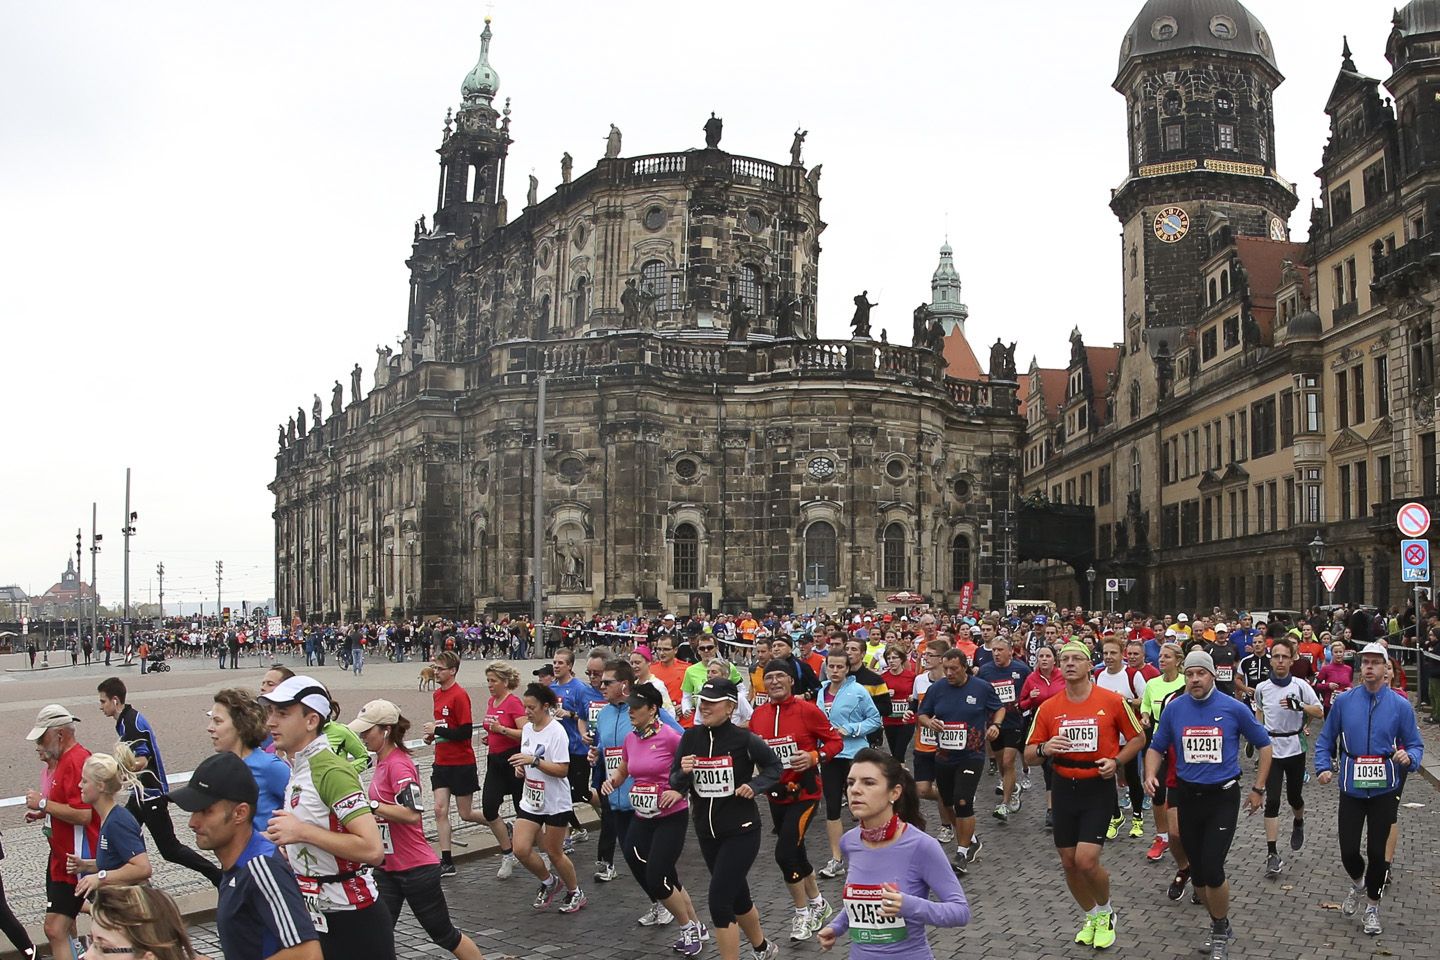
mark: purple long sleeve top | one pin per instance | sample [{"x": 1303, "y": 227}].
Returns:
[{"x": 915, "y": 863}]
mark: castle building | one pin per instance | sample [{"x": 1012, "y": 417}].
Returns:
[
  {"x": 697, "y": 445},
  {"x": 1272, "y": 401}
]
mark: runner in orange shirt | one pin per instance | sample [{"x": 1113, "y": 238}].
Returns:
[{"x": 670, "y": 671}]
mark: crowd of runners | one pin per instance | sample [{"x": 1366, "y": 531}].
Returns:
[{"x": 727, "y": 729}]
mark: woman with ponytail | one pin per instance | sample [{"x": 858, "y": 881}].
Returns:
[
  {"x": 895, "y": 867},
  {"x": 120, "y": 858}
]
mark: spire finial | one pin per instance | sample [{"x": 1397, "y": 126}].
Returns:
[
  {"x": 482, "y": 82},
  {"x": 1345, "y": 62}
]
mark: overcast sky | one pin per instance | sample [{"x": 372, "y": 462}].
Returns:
[{"x": 207, "y": 206}]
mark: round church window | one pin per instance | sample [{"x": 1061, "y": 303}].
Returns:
[
  {"x": 754, "y": 222},
  {"x": 962, "y": 489},
  {"x": 1223, "y": 28},
  {"x": 895, "y": 468},
  {"x": 655, "y": 218},
  {"x": 1164, "y": 28},
  {"x": 821, "y": 468},
  {"x": 572, "y": 469},
  {"x": 686, "y": 468}
]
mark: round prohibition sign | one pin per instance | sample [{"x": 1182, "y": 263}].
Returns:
[
  {"x": 1415, "y": 555},
  {"x": 1413, "y": 519}
]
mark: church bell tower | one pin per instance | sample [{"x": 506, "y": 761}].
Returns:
[{"x": 472, "y": 156}]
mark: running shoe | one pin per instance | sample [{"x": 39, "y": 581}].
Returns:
[
  {"x": 1297, "y": 835},
  {"x": 946, "y": 834},
  {"x": 976, "y": 845},
  {"x": 574, "y": 901},
  {"x": 1218, "y": 943},
  {"x": 1137, "y": 829},
  {"x": 548, "y": 893},
  {"x": 507, "y": 866},
  {"x": 1015, "y": 802},
  {"x": 1125, "y": 800},
  {"x": 1352, "y": 901},
  {"x": 1086, "y": 935},
  {"x": 604, "y": 872},
  {"x": 1177, "y": 885},
  {"x": 960, "y": 863},
  {"x": 801, "y": 926},
  {"x": 832, "y": 869},
  {"x": 819, "y": 913},
  {"x": 656, "y": 916},
  {"x": 768, "y": 952},
  {"x": 1372, "y": 920},
  {"x": 1157, "y": 850},
  {"x": 992, "y": 768},
  {"x": 689, "y": 944},
  {"x": 447, "y": 868},
  {"x": 1104, "y": 930},
  {"x": 1273, "y": 865},
  {"x": 1113, "y": 831},
  {"x": 1147, "y": 804},
  {"x": 1025, "y": 781},
  {"x": 1002, "y": 813},
  {"x": 568, "y": 847},
  {"x": 579, "y": 835},
  {"x": 999, "y": 789}
]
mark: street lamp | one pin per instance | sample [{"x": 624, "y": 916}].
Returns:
[
  {"x": 1090, "y": 596},
  {"x": 1317, "y": 557}
]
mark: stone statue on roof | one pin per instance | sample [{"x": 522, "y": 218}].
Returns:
[
  {"x": 739, "y": 314},
  {"x": 612, "y": 142},
  {"x": 355, "y": 384},
  {"x": 630, "y": 303},
  {"x": 282, "y": 436},
  {"x": 315, "y": 410},
  {"x": 796, "y": 145},
  {"x": 713, "y": 128},
  {"x": 532, "y": 196},
  {"x": 787, "y": 317},
  {"x": 337, "y": 400},
  {"x": 567, "y": 165},
  {"x": 860, "y": 322},
  {"x": 920, "y": 326}
]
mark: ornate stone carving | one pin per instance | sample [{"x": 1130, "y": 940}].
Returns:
[
  {"x": 777, "y": 436},
  {"x": 862, "y": 436},
  {"x": 731, "y": 439}
]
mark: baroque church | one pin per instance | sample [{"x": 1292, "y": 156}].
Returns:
[{"x": 619, "y": 393}]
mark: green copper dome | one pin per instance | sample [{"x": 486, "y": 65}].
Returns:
[{"x": 481, "y": 82}]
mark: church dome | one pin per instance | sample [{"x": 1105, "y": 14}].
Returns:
[
  {"x": 482, "y": 82},
  {"x": 1168, "y": 26},
  {"x": 1306, "y": 323}
]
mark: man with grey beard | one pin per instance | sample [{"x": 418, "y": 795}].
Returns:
[{"x": 72, "y": 826}]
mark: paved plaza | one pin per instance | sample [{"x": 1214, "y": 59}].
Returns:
[{"x": 1016, "y": 891}]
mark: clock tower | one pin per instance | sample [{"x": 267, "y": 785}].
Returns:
[{"x": 1198, "y": 77}]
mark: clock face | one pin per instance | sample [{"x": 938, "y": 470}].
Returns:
[
  {"x": 821, "y": 468},
  {"x": 1277, "y": 229},
  {"x": 1171, "y": 225}
]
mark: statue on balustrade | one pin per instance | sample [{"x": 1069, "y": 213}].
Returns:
[
  {"x": 920, "y": 326},
  {"x": 787, "y": 317},
  {"x": 337, "y": 400},
  {"x": 290, "y": 431},
  {"x": 935, "y": 336},
  {"x": 860, "y": 322},
  {"x": 429, "y": 340},
  {"x": 532, "y": 196},
  {"x": 713, "y": 127},
  {"x": 382, "y": 366},
  {"x": 814, "y": 176},
  {"x": 796, "y": 145},
  {"x": 884, "y": 336},
  {"x": 300, "y": 422},
  {"x": 630, "y": 304},
  {"x": 1002, "y": 361},
  {"x": 612, "y": 143},
  {"x": 315, "y": 410},
  {"x": 647, "y": 307},
  {"x": 407, "y": 353},
  {"x": 282, "y": 436},
  {"x": 355, "y": 384},
  {"x": 567, "y": 165},
  {"x": 739, "y": 314}
]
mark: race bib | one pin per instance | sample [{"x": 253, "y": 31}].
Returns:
[
  {"x": 1371, "y": 773},
  {"x": 1083, "y": 734},
  {"x": 310, "y": 894},
  {"x": 386, "y": 843},
  {"x": 714, "y": 777},
  {"x": 532, "y": 798},
  {"x": 899, "y": 709},
  {"x": 1201, "y": 744},
  {"x": 925, "y": 737},
  {"x": 761, "y": 699},
  {"x": 1225, "y": 673},
  {"x": 613, "y": 756},
  {"x": 785, "y": 748},
  {"x": 1005, "y": 690},
  {"x": 954, "y": 736},
  {"x": 864, "y": 911},
  {"x": 645, "y": 800},
  {"x": 592, "y": 715}
]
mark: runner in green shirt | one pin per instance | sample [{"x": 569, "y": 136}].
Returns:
[{"x": 1158, "y": 693}]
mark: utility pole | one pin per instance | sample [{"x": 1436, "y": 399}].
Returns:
[
  {"x": 160, "y": 572},
  {"x": 219, "y": 575},
  {"x": 95, "y": 538},
  {"x": 537, "y": 568},
  {"x": 79, "y": 585},
  {"x": 129, "y": 531}
]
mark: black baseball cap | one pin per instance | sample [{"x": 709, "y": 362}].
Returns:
[
  {"x": 780, "y": 665},
  {"x": 721, "y": 689},
  {"x": 645, "y": 695},
  {"x": 545, "y": 671},
  {"x": 220, "y": 776}
]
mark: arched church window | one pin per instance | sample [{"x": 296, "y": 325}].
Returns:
[
  {"x": 821, "y": 557},
  {"x": 893, "y": 559},
  {"x": 747, "y": 286},
  {"x": 959, "y": 562},
  {"x": 580, "y": 310},
  {"x": 654, "y": 281},
  {"x": 685, "y": 572},
  {"x": 1134, "y": 399}
]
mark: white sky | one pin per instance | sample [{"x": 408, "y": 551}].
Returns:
[{"x": 205, "y": 208}]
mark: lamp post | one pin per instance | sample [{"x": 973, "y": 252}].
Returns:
[
  {"x": 1090, "y": 595},
  {"x": 1317, "y": 557}
]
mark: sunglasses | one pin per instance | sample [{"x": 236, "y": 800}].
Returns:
[
  {"x": 710, "y": 647},
  {"x": 592, "y": 673},
  {"x": 606, "y": 683}
]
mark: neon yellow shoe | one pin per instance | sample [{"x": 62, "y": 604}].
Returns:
[
  {"x": 1137, "y": 829},
  {"x": 1114, "y": 829},
  {"x": 1104, "y": 926},
  {"x": 1086, "y": 936}
]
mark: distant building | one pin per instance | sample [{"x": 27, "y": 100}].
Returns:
[
  {"x": 68, "y": 599},
  {"x": 14, "y": 603}
]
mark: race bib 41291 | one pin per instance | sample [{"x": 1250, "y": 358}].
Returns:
[{"x": 1201, "y": 744}]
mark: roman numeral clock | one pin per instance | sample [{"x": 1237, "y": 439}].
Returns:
[{"x": 1171, "y": 225}]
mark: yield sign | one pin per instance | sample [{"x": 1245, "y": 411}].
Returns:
[
  {"x": 1413, "y": 519},
  {"x": 1330, "y": 576}
]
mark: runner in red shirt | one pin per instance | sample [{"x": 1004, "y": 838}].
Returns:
[
  {"x": 73, "y": 826},
  {"x": 900, "y": 724},
  {"x": 453, "y": 770}
]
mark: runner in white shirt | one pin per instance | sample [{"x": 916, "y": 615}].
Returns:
[
  {"x": 545, "y": 804},
  {"x": 1129, "y": 683},
  {"x": 1284, "y": 703}
]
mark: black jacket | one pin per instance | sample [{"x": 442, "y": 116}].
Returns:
[{"x": 754, "y": 763}]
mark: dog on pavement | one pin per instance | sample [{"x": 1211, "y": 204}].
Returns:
[{"x": 427, "y": 678}]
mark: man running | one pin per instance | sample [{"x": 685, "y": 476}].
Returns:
[
  {"x": 1007, "y": 676},
  {"x": 1158, "y": 692},
  {"x": 452, "y": 772},
  {"x": 1283, "y": 703},
  {"x": 148, "y": 803},
  {"x": 1205, "y": 728},
  {"x": 71, "y": 825},
  {"x": 1081, "y": 731},
  {"x": 1378, "y": 740},
  {"x": 1129, "y": 683}
]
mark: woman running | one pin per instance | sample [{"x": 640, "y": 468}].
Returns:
[
  {"x": 895, "y": 867},
  {"x": 723, "y": 768},
  {"x": 1043, "y": 683},
  {"x": 137, "y": 923},
  {"x": 237, "y": 725},
  {"x": 411, "y": 871},
  {"x": 656, "y": 836},
  {"x": 852, "y": 712},
  {"x": 545, "y": 804},
  {"x": 1335, "y": 677},
  {"x": 504, "y": 718},
  {"x": 640, "y": 660},
  {"x": 120, "y": 857},
  {"x": 900, "y": 725}
]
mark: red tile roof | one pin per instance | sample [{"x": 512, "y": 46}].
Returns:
[
  {"x": 959, "y": 356},
  {"x": 1052, "y": 385},
  {"x": 1262, "y": 258}
]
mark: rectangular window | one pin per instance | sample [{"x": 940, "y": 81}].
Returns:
[
  {"x": 1102, "y": 481},
  {"x": 1244, "y": 435},
  {"x": 1225, "y": 136},
  {"x": 1207, "y": 345},
  {"x": 1174, "y": 136},
  {"x": 1345, "y": 492},
  {"x": 1190, "y": 522},
  {"x": 1289, "y": 501},
  {"x": 1382, "y": 387},
  {"x": 1373, "y": 179},
  {"x": 1218, "y": 462},
  {"x": 1055, "y": 494},
  {"x": 1262, "y": 427},
  {"x": 1287, "y": 418},
  {"x": 1382, "y": 473},
  {"x": 1207, "y": 519},
  {"x": 1340, "y": 204},
  {"x": 1232, "y": 332},
  {"x": 1337, "y": 280},
  {"x": 1234, "y": 516},
  {"x": 1427, "y": 465},
  {"x": 1274, "y": 505},
  {"x": 1085, "y": 489},
  {"x": 1351, "y": 281},
  {"x": 1362, "y": 489},
  {"x": 1230, "y": 437},
  {"x": 1244, "y": 514},
  {"x": 1259, "y": 508},
  {"x": 1312, "y": 411},
  {"x": 1170, "y": 525},
  {"x": 1188, "y": 460},
  {"x": 1165, "y": 475},
  {"x": 1208, "y": 464},
  {"x": 1312, "y": 503},
  {"x": 1342, "y": 400},
  {"x": 1357, "y": 382}
]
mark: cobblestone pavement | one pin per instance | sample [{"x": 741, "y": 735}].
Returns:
[{"x": 1022, "y": 910}]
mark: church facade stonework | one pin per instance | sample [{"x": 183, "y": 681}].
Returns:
[{"x": 700, "y": 447}]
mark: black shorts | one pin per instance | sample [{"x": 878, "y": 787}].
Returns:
[
  {"x": 957, "y": 783},
  {"x": 461, "y": 779},
  {"x": 925, "y": 766},
  {"x": 60, "y": 898},
  {"x": 1010, "y": 739},
  {"x": 1162, "y": 792},
  {"x": 579, "y": 777},
  {"x": 1082, "y": 809},
  {"x": 546, "y": 819}
]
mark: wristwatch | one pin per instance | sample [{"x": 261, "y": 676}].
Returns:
[
  {"x": 102, "y": 875},
  {"x": 43, "y": 801},
  {"x": 374, "y": 805}
]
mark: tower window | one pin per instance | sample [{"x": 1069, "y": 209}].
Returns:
[
  {"x": 581, "y": 302},
  {"x": 893, "y": 566},
  {"x": 1171, "y": 102},
  {"x": 1224, "y": 102},
  {"x": 747, "y": 286},
  {"x": 959, "y": 563},
  {"x": 1225, "y": 136},
  {"x": 1174, "y": 136},
  {"x": 685, "y": 574}
]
